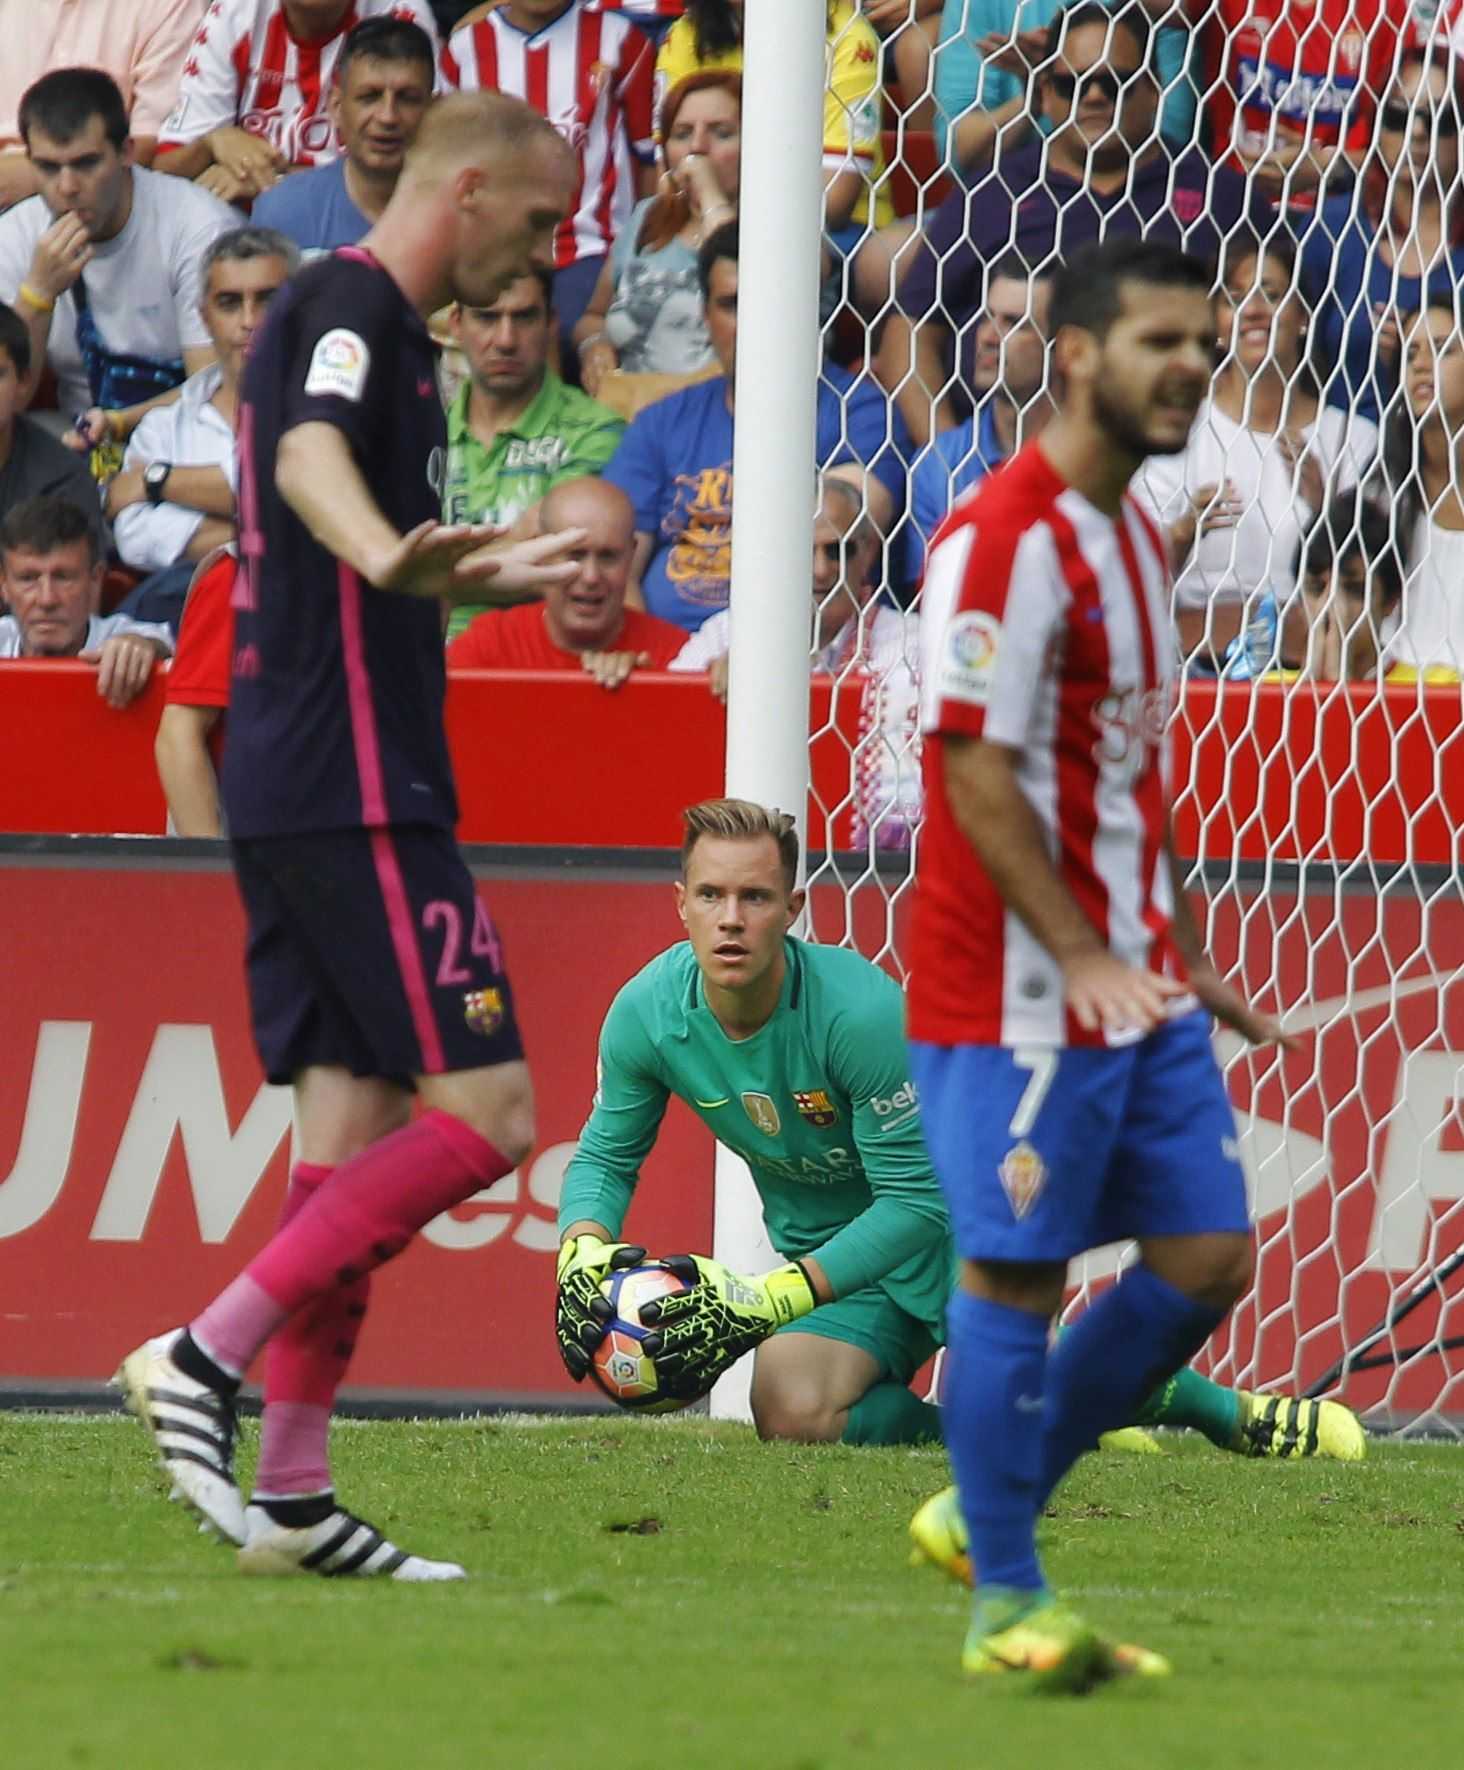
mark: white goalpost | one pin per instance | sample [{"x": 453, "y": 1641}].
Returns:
[{"x": 772, "y": 515}]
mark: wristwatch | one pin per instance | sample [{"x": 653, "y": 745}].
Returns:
[{"x": 154, "y": 479}]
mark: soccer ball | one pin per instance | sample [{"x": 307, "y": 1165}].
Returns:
[{"x": 619, "y": 1364}]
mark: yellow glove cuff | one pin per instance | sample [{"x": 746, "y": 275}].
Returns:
[{"x": 789, "y": 1292}]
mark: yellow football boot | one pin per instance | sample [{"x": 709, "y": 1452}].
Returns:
[
  {"x": 1288, "y": 1426},
  {"x": 1059, "y": 1652}
]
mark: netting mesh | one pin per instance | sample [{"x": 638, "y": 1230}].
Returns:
[{"x": 1317, "y": 530}]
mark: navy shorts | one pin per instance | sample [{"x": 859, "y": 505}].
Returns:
[
  {"x": 371, "y": 950},
  {"x": 1043, "y": 1153}
]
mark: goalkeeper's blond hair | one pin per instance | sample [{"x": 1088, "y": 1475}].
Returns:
[{"x": 740, "y": 820}]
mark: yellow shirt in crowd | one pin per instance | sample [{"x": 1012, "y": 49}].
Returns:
[{"x": 852, "y": 100}]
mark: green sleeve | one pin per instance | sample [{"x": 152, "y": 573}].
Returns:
[
  {"x": 907, "y": 1214},
  {"x": 592, "y": 448},
  {"x": 630, "y": 1099}
]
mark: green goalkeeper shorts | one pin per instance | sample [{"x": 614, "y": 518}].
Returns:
[{"x": 897, "y": 1341}]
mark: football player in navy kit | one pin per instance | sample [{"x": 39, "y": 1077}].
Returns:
[{"x": 374, "y": 968}]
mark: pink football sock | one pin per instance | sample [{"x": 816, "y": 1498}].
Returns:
[
  {"x": 363, "y": 1216},
  {"x": 305, "y": 1364}
]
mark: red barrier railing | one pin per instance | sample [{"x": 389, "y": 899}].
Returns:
[{"x": 544, "y": 757}]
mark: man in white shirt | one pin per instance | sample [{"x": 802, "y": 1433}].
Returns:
[
  {"x": 173, "y": 501},
  {"x": 52, "y": 579},
  {"x": 102, "y": 265}
]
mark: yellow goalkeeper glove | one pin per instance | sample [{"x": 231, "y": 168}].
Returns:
[
  {"x": 705, "y": 1329},
  {"x": 581, "y": 1314}
]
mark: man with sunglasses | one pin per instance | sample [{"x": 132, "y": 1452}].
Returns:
[{"x": 1104, "y": 170}]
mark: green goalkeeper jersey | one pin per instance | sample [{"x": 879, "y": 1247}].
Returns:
[{"x": 818, "y": 1102}]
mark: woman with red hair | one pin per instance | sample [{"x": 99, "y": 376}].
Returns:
[{"x": 646, "y": 312}]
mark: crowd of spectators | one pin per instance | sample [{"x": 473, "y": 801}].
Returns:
[{"x": 165, "y": 165}]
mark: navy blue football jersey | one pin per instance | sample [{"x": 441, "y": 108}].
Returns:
[{"x": 335, "y": 715}]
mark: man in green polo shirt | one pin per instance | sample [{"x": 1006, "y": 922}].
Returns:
[{"x": 515, "y": 429}]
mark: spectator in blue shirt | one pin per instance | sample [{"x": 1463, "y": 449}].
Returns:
[
  {"x": 383, "y": 81},
  {"x": 1374, "y": 250},
  {"x": 990, "y": 50},
  {"x": 1009, "y": 370},
  {"x": 1103, "y": 171},
  {"x": 675, "y": 460}
]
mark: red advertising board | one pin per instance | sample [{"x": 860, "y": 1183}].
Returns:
[
  {"x": 142, "y": 1159},
  {"x": 1354, "y": 1142}
]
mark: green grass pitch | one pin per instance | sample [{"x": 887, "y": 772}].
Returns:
[{"x": 658, "y": 1593}]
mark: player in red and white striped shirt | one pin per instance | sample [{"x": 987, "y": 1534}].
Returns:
[
  {"x": 252, "y": 100},
  {"x": 1069, "y": 1093},
  {"x": 592, "y": 74}
]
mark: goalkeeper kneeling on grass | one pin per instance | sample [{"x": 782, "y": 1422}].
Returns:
[{"x": 795, "y": 1056}]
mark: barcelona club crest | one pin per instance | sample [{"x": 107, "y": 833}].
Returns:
[
  {"x": 814, "y": 1105},
  {"x": 760, "y": 1109},
  {"x": 1023, "y": 1174},
  {"x": 483, "y": 1010}
]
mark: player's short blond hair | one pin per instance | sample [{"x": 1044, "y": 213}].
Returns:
[
  {"x": 740, "y": 820},
  {"x": 472, "y": 128}
]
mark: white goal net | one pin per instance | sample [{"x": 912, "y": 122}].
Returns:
[{"x": 1316, "y": 521}]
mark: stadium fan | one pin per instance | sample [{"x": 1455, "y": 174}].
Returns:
[
  {"x": 592, "y": 74},
  {"x": 382, "y": 83},
  {"x": 173, "y": 502},
  {"x": 1292, "y": 92},
  {"x": 102, "y": 264},
  {"x": 1102, "y": 172},
  {"x": 645, "y": 315},
  {"x": 1373, "y": 250},
  {"x": 51, "y": 575},
  {"x": 1349, "y": 579},
  {"x": 1422, "y": 471},
  {"x": 990, "y": 52},
  {"x": 253, "y": 102},
  {"x": 1264, "y": 457},
  {"x": 909, "y": 29},
  {"x": 675, "y": 460},
  {"x": 142, "y": 44},
  {"x": 857, "y": 196},
  {"x": 856, "y": 639},
  {"x": 514, "y": 428},
  {"x": 583, "y": 623},
  {"x": 195, "y": 701},
  {"x": 33, "y": 463},
  {"x": 1010, "y": 384}
]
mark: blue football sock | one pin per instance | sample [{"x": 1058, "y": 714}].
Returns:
[
  {"x": 996, "y": 1359},
  {"x": 1109, "y": 1360}
]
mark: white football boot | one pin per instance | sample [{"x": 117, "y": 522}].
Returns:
[
  {"x": 339, "y": 1546},
  {"x": 193, "y": 1428}
]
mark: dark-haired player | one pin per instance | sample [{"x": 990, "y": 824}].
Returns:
[
  {"x": 373, "y": 967},
  {"x": 1060, "y": 1001}
]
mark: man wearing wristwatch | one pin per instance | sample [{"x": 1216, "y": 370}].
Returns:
[{"x": 173, "y": 501}]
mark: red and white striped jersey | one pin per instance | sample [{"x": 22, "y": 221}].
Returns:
[
  {"x": 592, "y": 75},
  {"x": 246, "y": 68},
  {"x": 1045, "y": 628}
]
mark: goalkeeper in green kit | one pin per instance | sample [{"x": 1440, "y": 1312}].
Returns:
[{"x": 794, "y": 1055}]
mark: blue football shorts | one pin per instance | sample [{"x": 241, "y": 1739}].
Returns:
[{"x": 1044, "y": 1152}]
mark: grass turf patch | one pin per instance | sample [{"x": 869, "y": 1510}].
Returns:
[{"x": 644, "y": 1590}]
